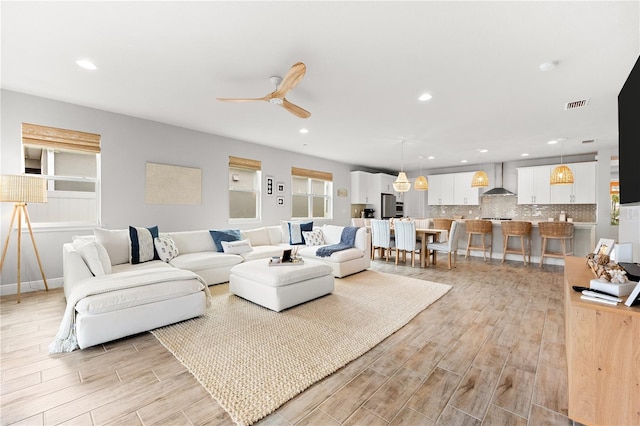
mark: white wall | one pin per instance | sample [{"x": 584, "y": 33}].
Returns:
[{"x": 127, "y": 144}]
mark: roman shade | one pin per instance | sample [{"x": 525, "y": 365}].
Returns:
[
  {"x": 312, "y": 174},
  {"x": 53, "y": 138},
  {"x": 244, "y": 163}
]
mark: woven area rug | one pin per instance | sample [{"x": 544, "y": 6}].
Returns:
[{"x": 253, "y": 360}]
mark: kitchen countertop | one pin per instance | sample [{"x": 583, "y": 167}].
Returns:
[{"x": 583, "y": 225}]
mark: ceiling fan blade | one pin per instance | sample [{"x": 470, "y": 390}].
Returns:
[
  {"x": 264, "y": 98},
  {"x": 291, "y": 80},
  {"x": 295, "y": 109}
]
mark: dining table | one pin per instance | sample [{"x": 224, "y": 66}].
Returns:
[{"x": 426, "y": 236}]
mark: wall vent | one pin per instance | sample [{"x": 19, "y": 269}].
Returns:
[
  {"x": 589, "y": 141},
  {"x": 576, "y": 104}
]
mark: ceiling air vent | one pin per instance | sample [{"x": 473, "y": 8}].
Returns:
[
  {"x": 589, "y": 141},
  {"x": 576, "y": 104}
]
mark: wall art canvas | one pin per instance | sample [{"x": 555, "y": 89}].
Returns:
[{"x": 173, "y": 185}]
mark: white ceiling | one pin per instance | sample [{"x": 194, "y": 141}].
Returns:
[{"x": 367, "y": 62}]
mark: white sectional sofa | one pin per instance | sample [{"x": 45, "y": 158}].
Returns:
[{"x": 110, "y": 315}]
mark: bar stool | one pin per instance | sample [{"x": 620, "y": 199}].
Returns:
[
  {"x": 562, "y": 231},
  {"x": 442, "y": 223},
  {"x": 517, "y": 229},
  {"x": 480, "y": 228}
]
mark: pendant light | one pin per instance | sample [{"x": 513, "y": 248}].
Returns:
[
  {"x": 562, "y": 174},
  {"x": 480, "y": 179},
  {"x": 421, "y": 183},
  {"x": 401, "y": 183}
]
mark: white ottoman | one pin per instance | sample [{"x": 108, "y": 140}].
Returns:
[{"x": 280, "y": 287}]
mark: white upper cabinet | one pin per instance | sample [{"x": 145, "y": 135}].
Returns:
[
  {"x": 362, "y": 188},
  {"x": 533, "y": 185},
  {"x": 582, "y": 191},
  {"x": 463, "y": 192}
]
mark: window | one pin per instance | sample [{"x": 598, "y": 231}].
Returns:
[
  {"x": 70, "y": 161},
  {"x": 244, "y": 189},
  {"x": 311, "y": 194}
]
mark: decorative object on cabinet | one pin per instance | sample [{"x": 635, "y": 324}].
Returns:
[
  {"x": 20, "y": 190},
  {"x": 402, "y": 184},
  {"x": 421, "y": 183}
]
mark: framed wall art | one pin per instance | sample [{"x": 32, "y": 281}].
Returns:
[
  {"x": 173, "y": 185},
  {"x": 268, "y": 183},
  {"x": 280, "y": 186},
  {"x": 280, "y": 201}
]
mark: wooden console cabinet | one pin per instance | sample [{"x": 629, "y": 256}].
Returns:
[{"x": 603, "y": 355}]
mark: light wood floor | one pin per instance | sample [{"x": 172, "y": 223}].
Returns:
[{"x": 489, "y": 352}]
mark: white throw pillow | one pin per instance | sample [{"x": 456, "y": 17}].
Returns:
[
  {"x": 95, "y": 255},
  {"x": 313, "y": 238},
  {"x": 166, "y": 248},
  {"x": 116, "y": 242},
  {"x": 236, "y": 247},
  {"x": 257, "y": 237}
]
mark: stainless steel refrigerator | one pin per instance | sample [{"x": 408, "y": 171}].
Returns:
[{"x": 388, "y": 204}]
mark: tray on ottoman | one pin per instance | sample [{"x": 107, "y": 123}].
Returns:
[{"x": 280, "y": 288}]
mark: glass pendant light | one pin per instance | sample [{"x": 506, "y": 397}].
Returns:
[{"x": 401, "y": 183}]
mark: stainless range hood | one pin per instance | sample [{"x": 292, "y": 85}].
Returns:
[{"x": 498, "y": 189}]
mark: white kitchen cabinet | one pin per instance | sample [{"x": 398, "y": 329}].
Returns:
[
  {"x": 441, "y": 189},
  {"x": 533, "y": 185},
  {"x": 386, "y": 183},
  {"x": 582, "y": 191},
  {"x": 463, "y": 192},
  {"x": 363, "y": 188}
]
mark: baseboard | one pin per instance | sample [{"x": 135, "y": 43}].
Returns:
[{"x": 29, "y": 286}]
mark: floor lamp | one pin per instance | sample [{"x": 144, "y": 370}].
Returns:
[{"x": 21, "y": 189}]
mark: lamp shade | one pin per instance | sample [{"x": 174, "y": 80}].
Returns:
[
  {"x": 561, "y": 174},
  {"x": 23, "y": 189},
  {"x": 401, "y": 183},
  {"x": 421, "y": 184},
  {"x": 480, "y": 179}
]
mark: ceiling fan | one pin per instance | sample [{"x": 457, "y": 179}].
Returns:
[{"x": 283, "y": 86}]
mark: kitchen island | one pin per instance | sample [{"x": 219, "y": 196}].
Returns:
[{"x": 584, "y": 235}]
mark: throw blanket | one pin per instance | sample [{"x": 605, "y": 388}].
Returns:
[
  {"x": 66, "y": 341},
  {"x": 347, "y": 241}
]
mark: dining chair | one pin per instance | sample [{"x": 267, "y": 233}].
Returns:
[
  {"x": 450, "y": 246},
  {"x": 405, "y": 233},
  {"x": 381, "y": 238},
  {"x": 359, "y": 222}
]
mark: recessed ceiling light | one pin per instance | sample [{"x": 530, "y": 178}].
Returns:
[
  {"x": 303, "y": 131},
  {"x": 552, "y": 142},
  {"x": 524, "y": 154},
  {"x": 463, "y": 161},
  {"x": 431, "y": 157},
  {"x": 425, "y": 97},
  {"x": 483, "y": 150},
  {"x": 548, "y": 66},
  {"x": 86, "y": 64}
]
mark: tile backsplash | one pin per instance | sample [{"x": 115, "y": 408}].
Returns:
[{"x": 507, "y": 207}]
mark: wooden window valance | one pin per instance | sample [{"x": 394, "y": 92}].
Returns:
[
  {"x": 245, "y": 163},
  {"x": 313, "y": 174},
  {"x": 54, "y": 138}
]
